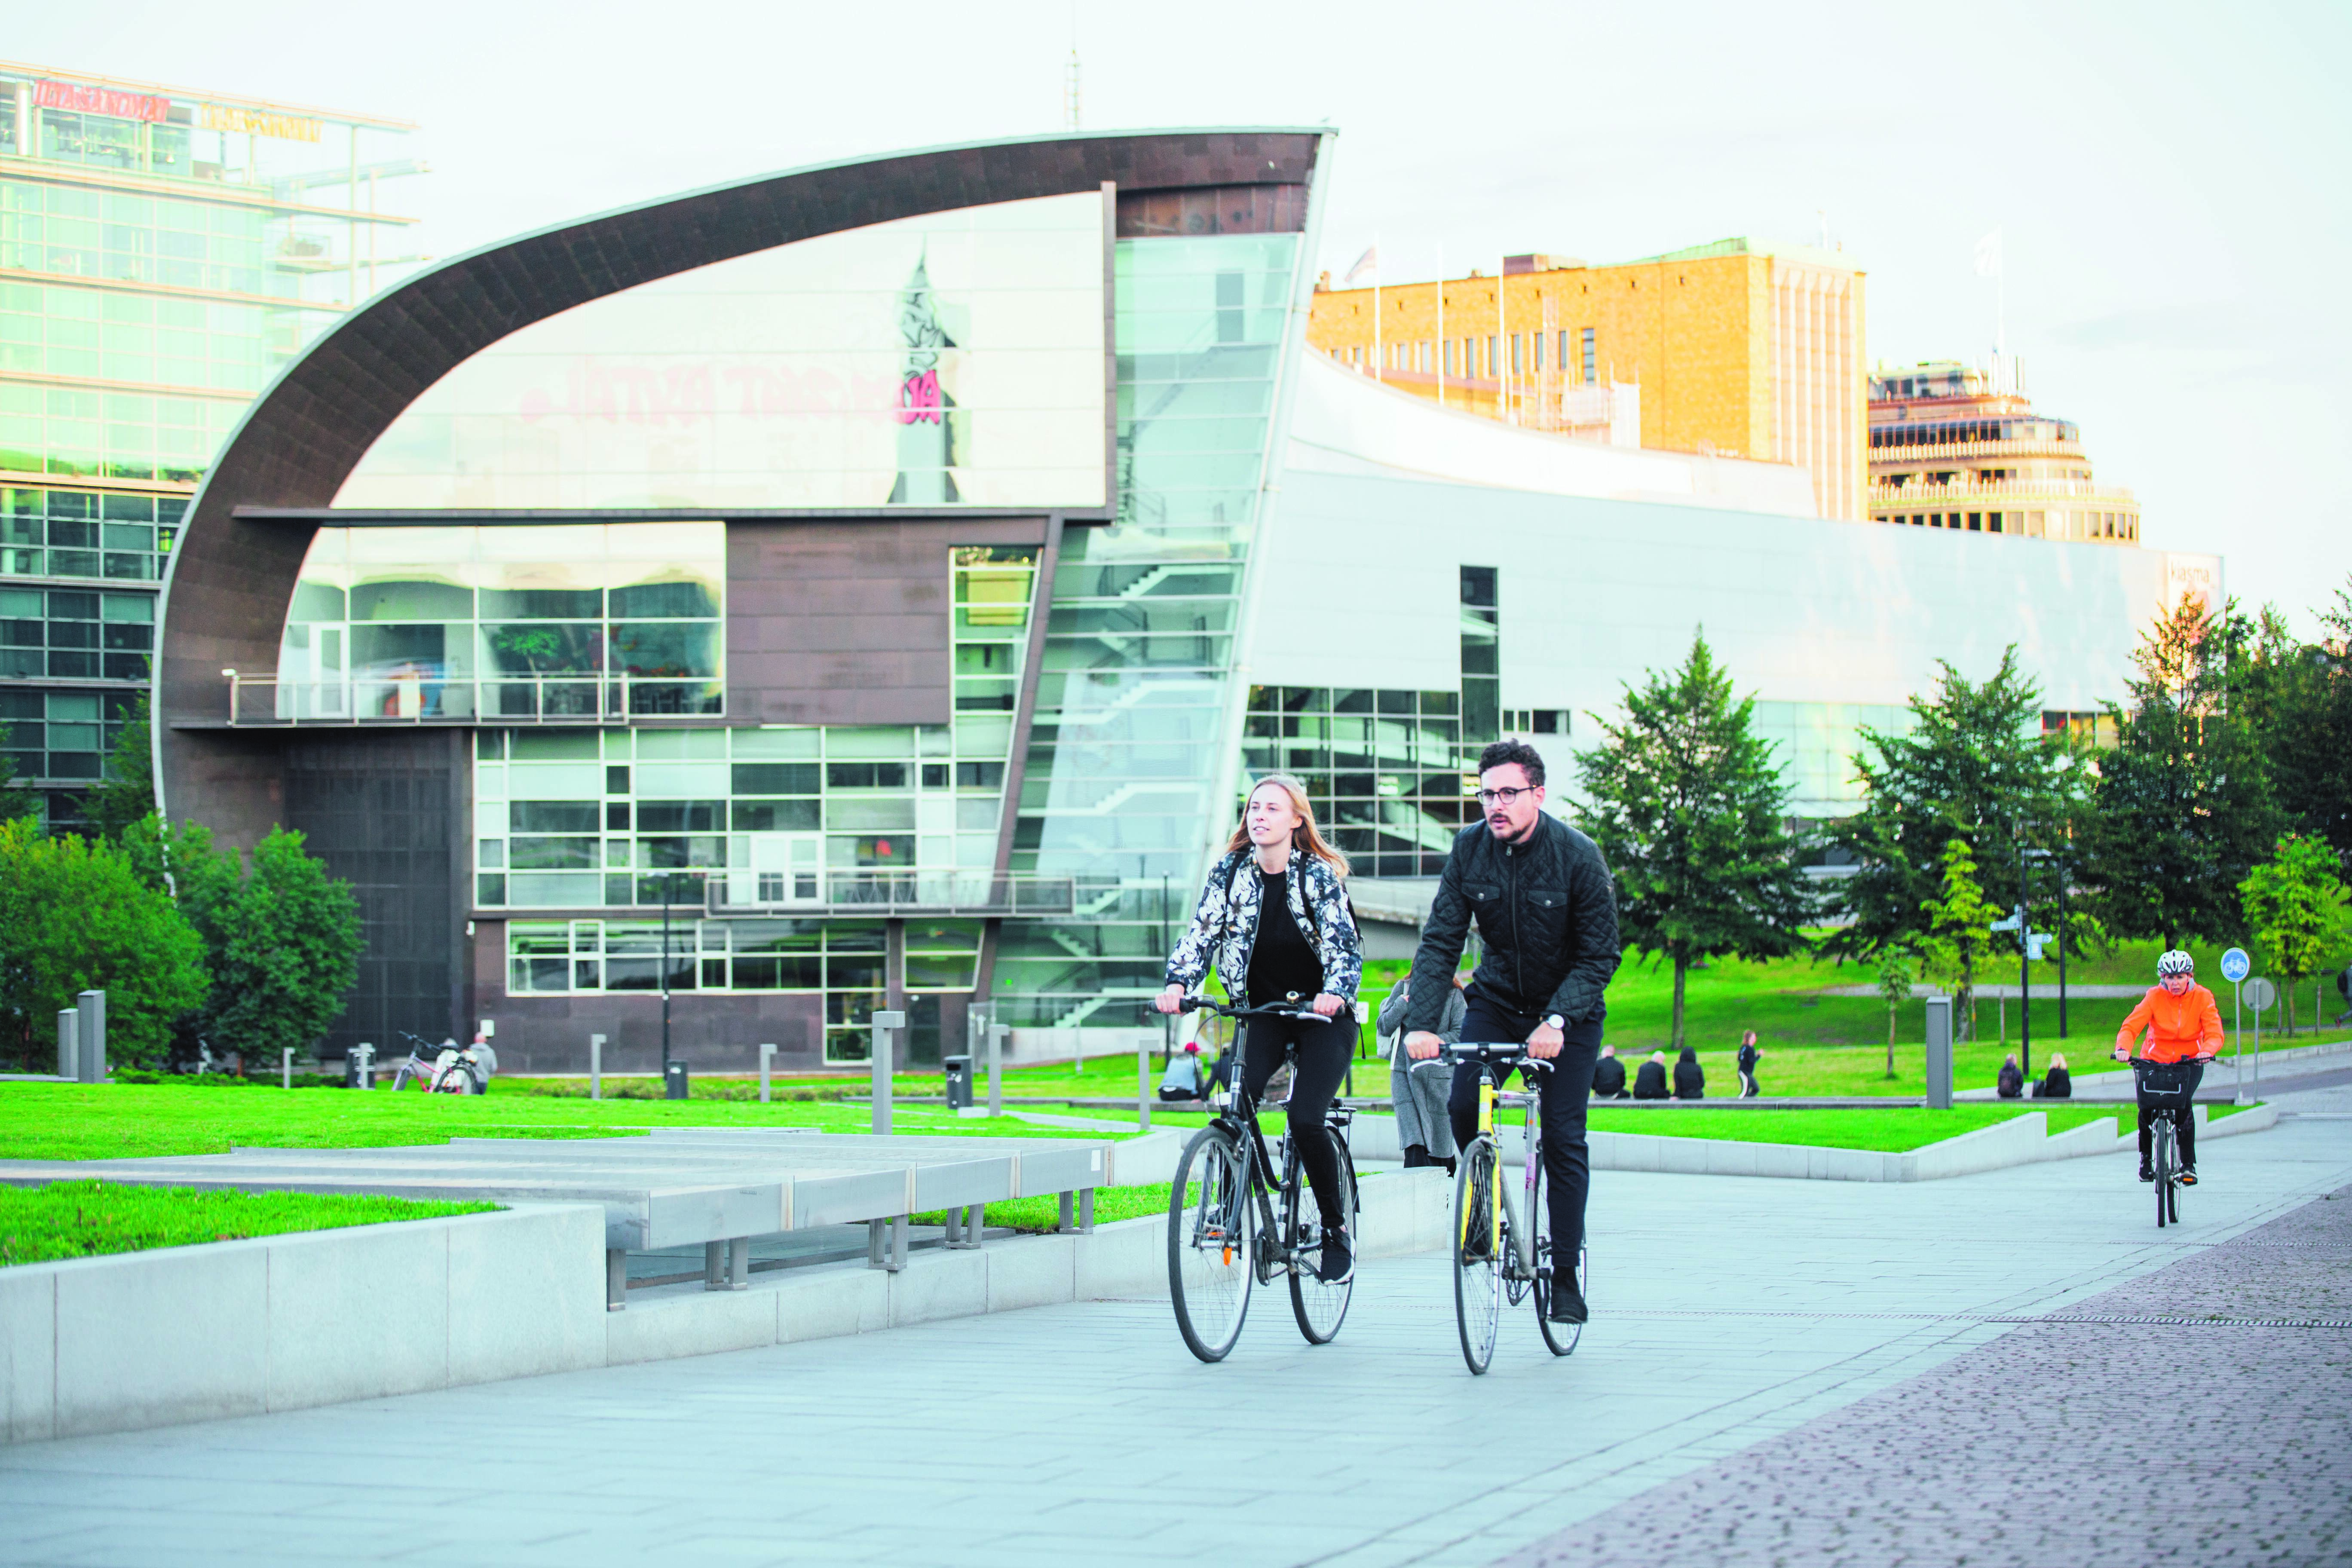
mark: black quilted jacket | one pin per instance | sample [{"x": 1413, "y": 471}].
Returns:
[{"x": 1547, "y": 911}]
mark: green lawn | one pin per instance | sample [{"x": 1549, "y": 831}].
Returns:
[
  {"x": 1894, "y": 1130},
  {"x": 1035, "y": 1215},
  {"x": 71, "y": 1121},
  {"x": 89, "y": 1219}
]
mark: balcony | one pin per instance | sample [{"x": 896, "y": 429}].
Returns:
[
  {"x": 894, "y": 893},
  {"x": 2072, "y": 491},
  {"x": 1967, "y": 451},
  {"x": 420, "y": 697}
]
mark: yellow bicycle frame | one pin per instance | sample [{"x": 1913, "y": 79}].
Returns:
[{"x": 1494, "y": 1186}]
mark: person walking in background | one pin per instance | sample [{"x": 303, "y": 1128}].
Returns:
[
  {"x": 1423, "y": 1130},
  {"x": 2011, "y": 1084},
  {"x": 1184, "y": 1079},
  {"x": 1650, "y": 1082},
  {"x": 1748, "y": 1057},
  {"x": 1609, "y": 1075},
  {"x": 1690, "y": 1079},
  {"x": 2057, "y": 1083}
]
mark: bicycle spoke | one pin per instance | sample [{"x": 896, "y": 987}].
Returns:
[
  {"x": 1320, "y": 1308},
  {"x": 1478, "y": 1265}
]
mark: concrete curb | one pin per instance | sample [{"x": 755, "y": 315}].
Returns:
[
  {"x": 2023, "y": 1140},
  {"x": 282, "y": 1323},
  {"x": 244, "y": 1327}
]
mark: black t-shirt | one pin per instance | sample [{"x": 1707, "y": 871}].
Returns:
[{"x": 1282, "y": 959}]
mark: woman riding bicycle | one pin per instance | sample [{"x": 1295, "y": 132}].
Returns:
[
  {"x": 2182, "y": 1024},
  {"x": 1274, "y": 920}
]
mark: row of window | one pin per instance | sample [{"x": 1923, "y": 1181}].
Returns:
[
  {"x": 599, "y": 956},
  {"x": 61, "y": 734},
  {"x": 1950, "y": 432},
  {"x": 1479, "y": 356},
  {"x": 2077, "y": 525}
]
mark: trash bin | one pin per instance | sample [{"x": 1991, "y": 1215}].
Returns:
[
  {"x": 674, "y": 1087},
  {"x": 958, "y": 1071}
]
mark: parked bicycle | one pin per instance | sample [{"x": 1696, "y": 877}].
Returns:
[
  {"x": 2168, "y": 1089},
  {"x": 448, "y": 1068},
  {"x": 1239, "y": 1215},
  {"x": 1501, "y": 1247}
]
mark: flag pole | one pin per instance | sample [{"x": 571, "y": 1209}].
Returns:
[{"x": 1380, "y": 365}]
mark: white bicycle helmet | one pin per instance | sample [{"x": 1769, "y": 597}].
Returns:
[{"x": 2175, "y": 962}]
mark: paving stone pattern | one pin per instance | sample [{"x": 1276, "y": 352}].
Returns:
[{"x": 2036, "y": 1448}]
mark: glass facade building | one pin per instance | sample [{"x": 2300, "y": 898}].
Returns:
[{"x": 161, "y": 253}]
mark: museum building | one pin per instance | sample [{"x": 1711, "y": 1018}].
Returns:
[{"x": 873, "y": 585}]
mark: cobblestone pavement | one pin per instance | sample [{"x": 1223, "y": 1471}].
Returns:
[
  {"x": 2210, "y": 1442},
  {"x": 1729, "y": 1312}
]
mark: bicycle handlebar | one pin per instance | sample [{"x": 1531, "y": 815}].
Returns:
[
  {"x": 1262, "y": 1010},
  {"x": 1505, "y": 1056}
]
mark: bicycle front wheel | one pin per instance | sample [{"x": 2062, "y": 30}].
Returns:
[
  {"x": 1319, "y": 1308},
  {"x": 1478, "y": 1253},
  {"x": 1212, "y": 1231},
  {"x": 2163, "y": 1172}
]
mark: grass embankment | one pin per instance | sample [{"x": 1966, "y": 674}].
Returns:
[
  {"x": 91, "y": 1219},
  {"x": 1037, "y": 1216},
  {"x": 71, "y": 1121}
]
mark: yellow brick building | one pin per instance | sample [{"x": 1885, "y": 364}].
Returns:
[{"x": 1735, "y": 349}]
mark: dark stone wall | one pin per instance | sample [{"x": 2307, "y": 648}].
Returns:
[{"x": 847, "y": 622}]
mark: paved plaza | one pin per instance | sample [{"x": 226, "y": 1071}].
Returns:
[{"x": 1740, "y": 1322}]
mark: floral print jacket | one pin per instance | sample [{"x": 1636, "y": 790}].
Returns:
[{"x": 1223, "y": 931}]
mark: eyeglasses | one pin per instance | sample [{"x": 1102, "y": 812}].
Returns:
[{"x": 1501, "y": 796}]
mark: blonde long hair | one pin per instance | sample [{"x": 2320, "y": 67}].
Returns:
[{"x": 1304, "y": 838}]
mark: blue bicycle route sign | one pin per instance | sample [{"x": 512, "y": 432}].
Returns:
[{"x": 2236, "y": 965}]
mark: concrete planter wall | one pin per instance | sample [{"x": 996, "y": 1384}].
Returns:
[{"x": 241, "y": 1328}]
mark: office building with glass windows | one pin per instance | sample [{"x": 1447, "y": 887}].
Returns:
[
  {"x": 162, "y": 251},
  {"x": 874, "y": 585}
]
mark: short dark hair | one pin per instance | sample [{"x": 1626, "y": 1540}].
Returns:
[{"x": 1501, "y": 753}]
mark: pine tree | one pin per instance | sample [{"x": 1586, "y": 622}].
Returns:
[
  {"x": 1689, "y": 809},
  {"x": 1974, "y": 765},
  {"x": 2182, "y": 806}
]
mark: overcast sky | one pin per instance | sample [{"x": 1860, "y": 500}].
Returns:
[{"x": 2170, "y": 180}]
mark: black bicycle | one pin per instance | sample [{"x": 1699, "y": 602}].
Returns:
[
  {"x": 1233, "y": 1223},
  {"x": 2168, "y": 1089},
  {"x": 1497, "y": 1254}
]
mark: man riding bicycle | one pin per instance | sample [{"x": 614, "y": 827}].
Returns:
[
  {"x": 1547, "y": 911},
  {"x": 2182, "y": 1024}
]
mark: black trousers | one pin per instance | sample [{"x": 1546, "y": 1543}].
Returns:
[
  {"x": 2184, "y": 1119},
  {"x": 1323, "y": 1050},
  {"x": 1561, "y": 1094}
]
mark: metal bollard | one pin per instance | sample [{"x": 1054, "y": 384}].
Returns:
[
  {"x": 997, "y": 1034},
  {"x": 884, "y": 1023},
  {"x": 89, "y": 1035},
  {"x": 595, "y": 1066},
  {"x": 1939, "y": 1053},
  {"x": 367, "y": 1065},
  {"x": 286, "y": 1064},
  {"x": 767, "y": 1057},
  {"x": 1143, "y": 1081},
  {"x": 68, "y": 1056}
]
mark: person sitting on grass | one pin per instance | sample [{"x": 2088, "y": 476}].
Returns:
[
  {"x": 1690, "y": 1079},
  {"x": 1609, "y": 1075},
  {"x": 1184, "y": 1079},
  {"x": 2057, "y": 1083},
  {"x": 2011, "y": 1084},
  {"x": 1650, "y": 1082}
]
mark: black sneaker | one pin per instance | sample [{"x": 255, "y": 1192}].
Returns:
[
  {"x": 1567, "y": 1302},
  {"x": 2147, "y": 1173},
  {"x": 1337, "y": 1261},
  {"x": 1417, "y": 1156},
  {"x": 1444, "y": 1160}
]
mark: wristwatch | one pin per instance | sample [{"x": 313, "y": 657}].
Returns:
[{"x": 1554, "y": 1021}]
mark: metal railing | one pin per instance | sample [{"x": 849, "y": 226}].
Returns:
[
  {"x": 1925, "y": 492},
  {"x": 422, "y": 698},
  {"x": 750, "y": 892}
]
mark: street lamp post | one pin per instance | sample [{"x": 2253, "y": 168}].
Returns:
[{"x": 2025, "y": 960}]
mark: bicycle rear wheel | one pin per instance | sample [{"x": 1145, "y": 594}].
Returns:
[
  {"x": 1561, "y": 1339},
  {"x": 1211, "y": 1227},
  {"x": 1477, "y": 1261},
  {"x": 1320, "y": 1308}
]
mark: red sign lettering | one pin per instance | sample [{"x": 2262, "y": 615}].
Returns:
[{"x": 101, "y": 101}]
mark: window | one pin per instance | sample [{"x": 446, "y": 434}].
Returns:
[
  {"x": 1591, "y": 359},
  {"x": 1383, "y": 768}
]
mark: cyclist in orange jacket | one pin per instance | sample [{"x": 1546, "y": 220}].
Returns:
[{"x": 2181, "y": 1024}]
